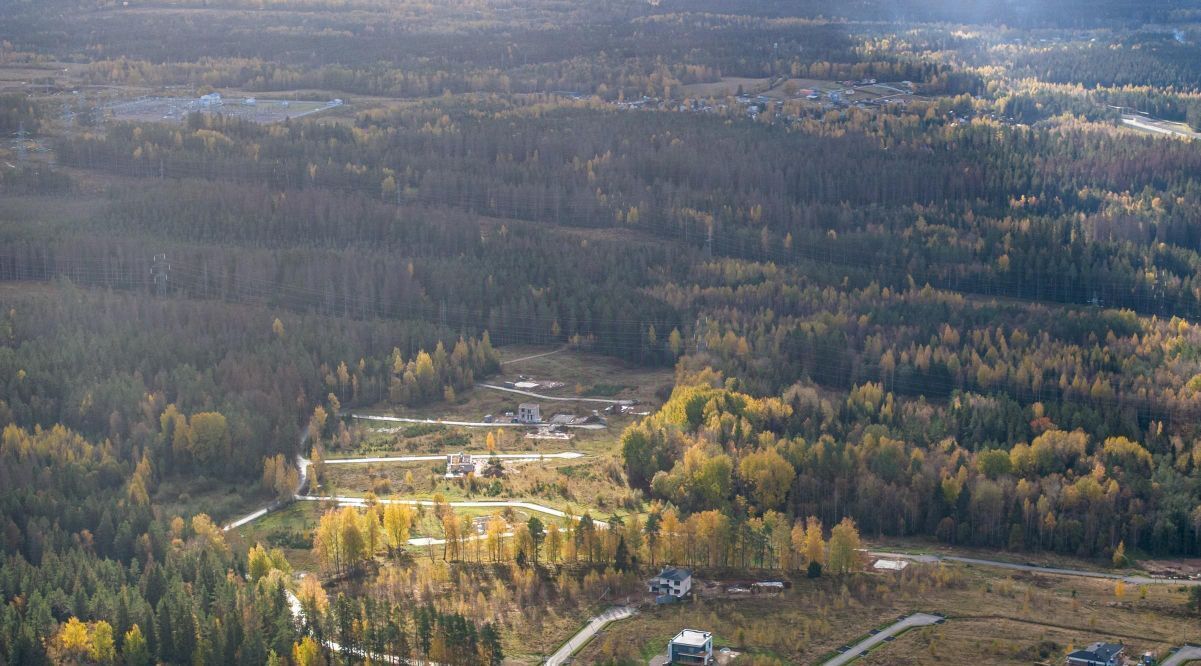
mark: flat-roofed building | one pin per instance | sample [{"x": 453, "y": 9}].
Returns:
[{"x": 691, "y": 647}]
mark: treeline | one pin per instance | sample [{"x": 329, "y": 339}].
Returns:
[
  {"x": 19, "y": 112},
  {"x": 89, "y": 573},
  {"x": 203, "y": 383},
  {"x": 714, "y": 449},
  {"x": 1145, "y": 59},
  {"x": 647, "y": 172},
  {"x": 347, "y": 541},
  {"x": 1089, "y": 367},
  {"x": 379, "y": 627}
]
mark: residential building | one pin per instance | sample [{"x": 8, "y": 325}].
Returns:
[
  {"x": 1098, "y": 654},
  {"x": 459, "y": 464},
  {"x": 691, "y": 647},
  {"x": 529, "y": 412},
  {"x": 672, "y": 581}
]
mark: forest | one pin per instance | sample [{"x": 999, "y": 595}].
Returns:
[{"x": 887, "y": 273}]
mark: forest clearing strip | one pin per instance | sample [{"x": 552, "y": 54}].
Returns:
[
  {"x": 345, "y": 500},
  {"x": 534, "y": 356},
  {"x": 463, "y": 424},
  {"x": 563, "y": 455},
  {"x": 929, "y": 558},
  {"x": 474, "y": 424},
  {"x": 603, "y": 401},
  {"x": 861, "y": 648}
]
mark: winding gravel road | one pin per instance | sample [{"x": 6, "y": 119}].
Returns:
[
  {"x": 1183, "y": 656},
  {"x": 1084, "y": 573},
  {"x": 594, "y": 625},
  {"x": 603, "y": 401},
  {"x": 565, "y": 455},
  {"x": 480, "y": 504},
  {"x": 915, "y": 620}
]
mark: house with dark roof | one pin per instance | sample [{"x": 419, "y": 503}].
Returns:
[
  {"x": 1098, "y": 654},
  {"x": 672, "y": 581}
]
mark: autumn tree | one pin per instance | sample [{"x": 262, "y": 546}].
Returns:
[
  {"x": 844, "y": 547},
  {"x": 134, "y": 650},
  {"x": 770, "y": 476}
]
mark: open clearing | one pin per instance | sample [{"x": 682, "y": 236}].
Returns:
[
  {"x": 1156, "y": 126},
  {"x": 726, "y": 87},
  {"x": 995, "y": 616},
  {"x": 176, "y": 109}
]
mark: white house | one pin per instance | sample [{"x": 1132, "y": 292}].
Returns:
[
  {"x": 211, "y": 99},
  {"x": 529, "y": 412},
  {"x": 672, "y": 581}
]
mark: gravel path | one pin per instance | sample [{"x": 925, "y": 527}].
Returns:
[{"x": 915, "y": 620}]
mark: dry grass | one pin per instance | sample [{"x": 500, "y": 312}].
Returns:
[{"x": 994, "y": 618}]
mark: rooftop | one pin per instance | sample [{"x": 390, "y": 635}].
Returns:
[
  {"x": 674, "y": 573},
  {"x": 1101, "y": 651},
  {"x": 692, "y": 638},
  {"x": 890, "y": 565}
]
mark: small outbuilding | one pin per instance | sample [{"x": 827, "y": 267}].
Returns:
[{"x": 889, "y": 565}]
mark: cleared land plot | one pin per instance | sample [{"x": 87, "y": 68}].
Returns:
[
  {"x": 291, "y": 529},
  {"x": 725, "y": 87},
  {"x": 1156, "y": 126},
  {"x": 579, "y": 485},
  {"x": 176, "y": 109},
  {"x": 994, "y": 617},
  {"x": 577, "y": 374}
]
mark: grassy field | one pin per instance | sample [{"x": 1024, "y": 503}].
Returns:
[
  {"x": 993, "y": 618},
  {"x": 727, "y": 86},
  {"x": 593, "y": 482},
  {"x": 582, "y": 374}
]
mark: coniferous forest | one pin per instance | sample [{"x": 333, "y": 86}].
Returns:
[{"x": 923, "y": 272}]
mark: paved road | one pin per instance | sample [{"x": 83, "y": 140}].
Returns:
[
  {"x": 1083, "y": 573},
  {"x": 481, "y": 504},
  {"x": 471, "y": 424},
  {"x": 915, "y": 620},
  {"x": 603, "y": 401},
  {"x": 594, "y": 625},
  {"x": 566, "y": 455},
  {"x": 1136, "y": 121},
  {"x": 465, "y": 424},
  {"x": 302, "y": 464},
  {"x": 1183, "y": 655}
]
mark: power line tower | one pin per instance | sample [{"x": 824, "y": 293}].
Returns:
[
  {"x": 161, "y": 271},
  {"x": 709, "y": 243},
  {"x": 700, "y": 335}
]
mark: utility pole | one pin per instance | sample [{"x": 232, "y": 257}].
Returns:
[
  {"x": 22, "y": 136},
  {"x": 161, "y": 271}
]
